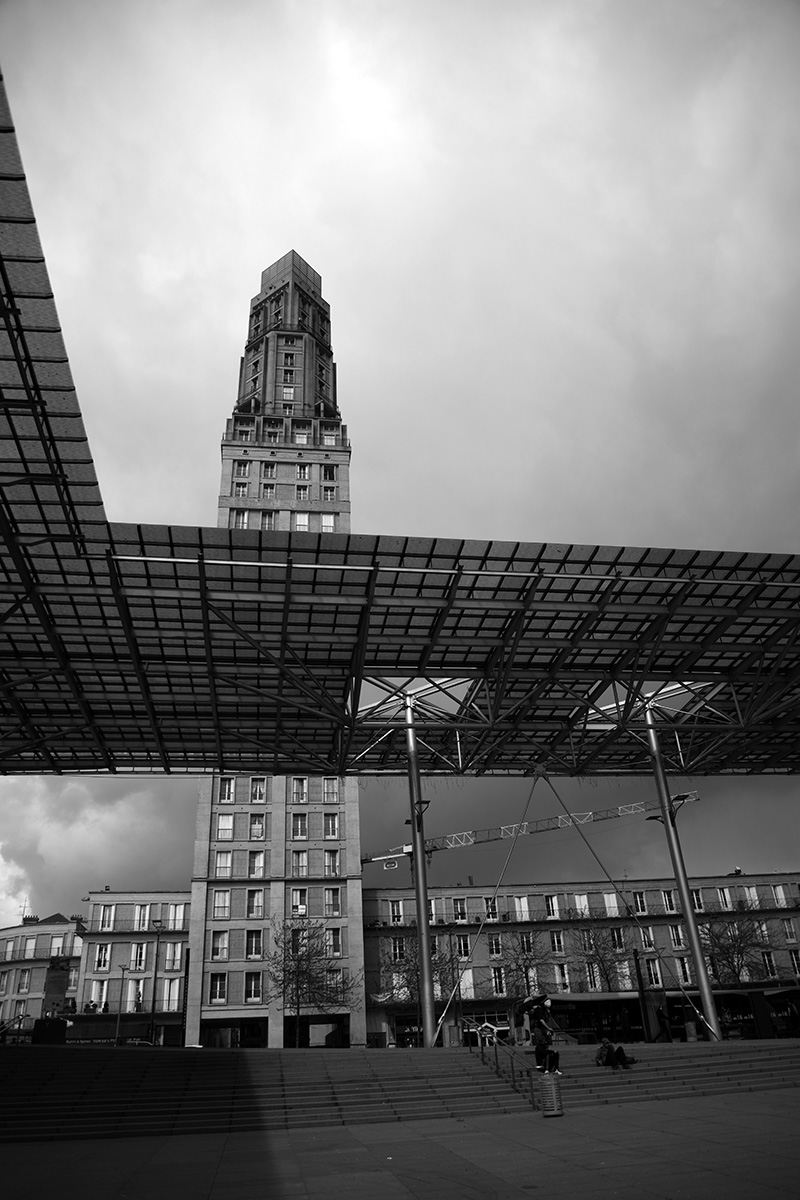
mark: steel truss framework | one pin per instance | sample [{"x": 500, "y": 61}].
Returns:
[{"x": 130, "y": 648}]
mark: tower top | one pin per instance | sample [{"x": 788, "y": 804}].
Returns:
[{"x": 291, "y": 265}]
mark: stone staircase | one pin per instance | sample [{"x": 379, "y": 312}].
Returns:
[
  {"x": 664, "y": 1071},
  {"x": 95, "y": 1092}
]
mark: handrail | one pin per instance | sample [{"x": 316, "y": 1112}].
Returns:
[{"x": 475, "y": 1027}]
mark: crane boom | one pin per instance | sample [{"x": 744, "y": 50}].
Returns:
[{"x": 497, "y": 833}]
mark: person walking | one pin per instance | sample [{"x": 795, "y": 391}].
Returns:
[{"x": 664, "y": 1030}]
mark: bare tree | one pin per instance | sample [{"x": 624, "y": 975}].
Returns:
[
  {"x": 524, "y": 956},
  {"x": 734, "y": 941},
  {"x": 305, "y": 973},
  {"x": 601, "y": 946}
]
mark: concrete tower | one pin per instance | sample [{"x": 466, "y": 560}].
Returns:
[{"x": 273, "y": 854}]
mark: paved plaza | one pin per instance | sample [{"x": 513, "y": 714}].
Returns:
[{"x": 728, "y": 1147}]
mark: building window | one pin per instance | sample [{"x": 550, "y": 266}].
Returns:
[
  {"x": 299, "y": 864},
  {"x": 331, "y": 825},
  {"x": 331, "y": 864},
  {"x": 779, "y": 895},
  {"x": 221, "y": 910},
  {"x": 222, "y": 864},
  {"x": 302, "y": 471},
  {"x": 581, "y": 905},
  {"x": 328, "y": 473},
  {"x": 682, "y": 970},
  {"x": 724, "y": 897},
  {"x": 24, "y": 983},
  {"x": 301, "y": 522},
  {"x": 244, "y": 433},
  {"x": 252, "y": 987},
  {"x": 255, "y": 864},
  {"x": 618, "y": 939},
  {"x": 794, "y": 955},
  {"x": 396, "y": 912},
  {"x": 556, "y": 941},
  {"x": 254, "y": 944},
  {"x": 239, "y": 518},
  {"x": 789, "y": 931},
  {"x": 106, "y": 917},
  {"x": 4, "y": 982},
  {"x": 639, "y": 902},
  {"x": 268, "y": 470},
  {"x": 769, "y": 964},
  {"x": 255, "y": 903},
  {"x": 241, "y": 490},
  {"x": 462, "y": 945},
  {"x": 268, "y": 491},
  {"x": 329, "y": 494},
  {"x": 526, "y": 943},
  {"x": 697, "y": 900},
  {"x": 491, "y": 908},
  {"x": 176, "y": 915},
  {"x": 288, "y": 376},
  {"x": 653, "y": 972},
  {"x": 99, "y": 993},
  {"x": 10, "y": 948},
  {"x": 269, "y": 521},
  {"x": 141, "y": 917},
  {"x": 258, "y": 790},
  {"x": 647, "y": 937},
  {"x": 218, "y": 989},
  {"x": 328, "y": 438},
  {"x": 102, "y": 956},
  {"x": 328, "y": 523},
  {"x": 668, "y": 900},
  {"x": 72, "y": 979},
  {"x": 330, "y": 790},
  {"x": 611, "y": 903},
  {"x": 398, "y": 949},
  {"x": 301, "y": 493},
  {"x": 551, "y": 906},
  {"x": 172, "y": 958},
  {"x": 333, "y": 942},
  {"x": 219, "y": 945},
  {"x": 257, "y": 827},
  {"x": 301, "y": 437},
  {"x": 171, "y": 991},
  {"x": 624, "y": 976},
  {"x": 30, "y": 948},
  {"x": 226, "y": 790},
  {"x": 299, "y": 827},
  {"x": 459, "y": 909},
  {"x": 241, "y": 469},
  {"x": 562, "y": 977},
  {"x": 300, "y": 790},
  {"x": 138, "y": 956},
  {"x": 498, "y": 981},
  {"x": 299, "y": 902},
  {"x": 751, "y": 896},
  {"x": 592, "y": 976},
  {"x": 224, "y": 827},
  {"x": 495, "y": 945},
  {"x": 676, "y": 937},
  {"x": 332, "y": 902}
]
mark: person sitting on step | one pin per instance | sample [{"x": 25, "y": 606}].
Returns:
[{"x": 609, "y": 1056}]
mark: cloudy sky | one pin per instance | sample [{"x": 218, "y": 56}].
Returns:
[{"x": 560, "y": 241}]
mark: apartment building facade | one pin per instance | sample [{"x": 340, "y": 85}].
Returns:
[
  {"x": 39, "y": 969},
  {"x": 608, "y": 958}
]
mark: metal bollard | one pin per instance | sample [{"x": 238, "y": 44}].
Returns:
[{"x": 550, "y": 1091}]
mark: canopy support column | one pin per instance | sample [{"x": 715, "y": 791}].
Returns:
[{"x": 420, "y": 882}]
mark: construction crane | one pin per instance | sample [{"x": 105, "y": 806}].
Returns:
[{"x": 498, "y": 833}]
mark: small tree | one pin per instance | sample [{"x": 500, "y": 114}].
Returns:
[
  {"x": 305, "y": 973},
  {"x": 604, "y": 946},
  {"x": 733, "y": 942},
  {"x": 400, "y": 975},
  {"x": 524, "y": 957}
]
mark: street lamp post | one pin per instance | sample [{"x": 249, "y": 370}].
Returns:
[
  {"x": 158, "y": 926},
  {"x": 119, "y": 1006},
  {"x": 679, "y": 867}
]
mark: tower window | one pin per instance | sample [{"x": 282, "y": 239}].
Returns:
[
  {"x": 328, "y": 494},
  {"x": 241, "y": 469},
  {"x": 328, "y": 473},
  {"x": 268, "y": 470},
  {"x": 268, "y": 491},
  {"x": 240, "y": 490},
  {"x": 288, "y": 360},
  {"x": 302, "y": 492},
  {"x": 239, "y": 518},
  {"x": 302, "y": 470}
]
